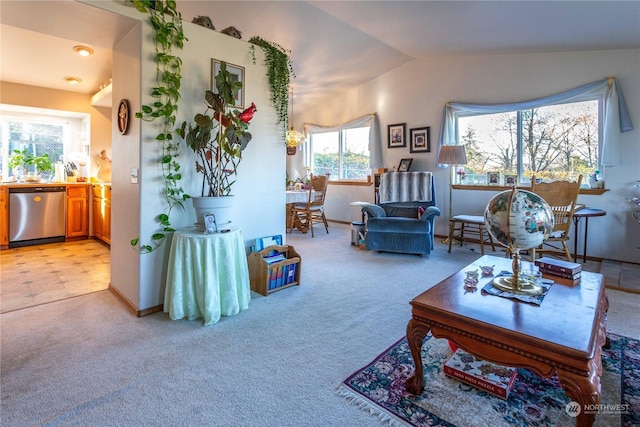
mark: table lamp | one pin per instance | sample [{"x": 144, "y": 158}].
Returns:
[{"x": 452, "y": 155}]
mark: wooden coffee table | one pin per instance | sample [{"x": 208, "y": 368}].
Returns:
[{"x": 563, "y": 335}]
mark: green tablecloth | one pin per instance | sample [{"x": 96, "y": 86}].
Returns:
[{"x": 207, "y": 276}]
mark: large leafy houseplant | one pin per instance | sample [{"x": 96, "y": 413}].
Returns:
[{"x": 219, "y": 135}]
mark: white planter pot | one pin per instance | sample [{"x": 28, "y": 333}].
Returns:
[{"x": 220, "y": 207}]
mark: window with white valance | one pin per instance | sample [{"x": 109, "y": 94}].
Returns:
[
  {"x": 612, "y": 115},
  {"x": 346, "y": 151}
]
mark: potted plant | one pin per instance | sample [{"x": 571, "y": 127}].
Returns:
[
  {"x": 218, "y": 137},
  {"x": 22, "y": 161}
]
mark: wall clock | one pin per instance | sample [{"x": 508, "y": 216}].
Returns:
[{"x": 123, "y": 116}]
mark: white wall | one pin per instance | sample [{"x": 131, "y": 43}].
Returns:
[
  {"x": 259, "y": 189},
  {"x": 415, "y": 93}
]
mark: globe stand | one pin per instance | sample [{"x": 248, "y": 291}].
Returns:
[{"x": 516, "y": 283}]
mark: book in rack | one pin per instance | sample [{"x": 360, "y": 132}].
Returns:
[
  {"x": 273, "y": 268},
  {"x": 495, "y": 379}
]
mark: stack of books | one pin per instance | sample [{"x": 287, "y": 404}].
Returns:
[
  {"x": 495, "y": 379},
  {"x": 559, "y": 268}
]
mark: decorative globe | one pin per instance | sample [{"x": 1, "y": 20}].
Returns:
[{"x": 519, "y": 219}]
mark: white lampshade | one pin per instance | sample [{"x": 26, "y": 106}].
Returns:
[{"x": 452, "y": 155}]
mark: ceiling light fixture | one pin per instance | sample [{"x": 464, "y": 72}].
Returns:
[
  {"x": 72, "y": 80},
  {"x": 293, "y": 137},
  {"x": 83, "y": 50}
]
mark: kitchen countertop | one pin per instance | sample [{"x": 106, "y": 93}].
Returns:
[{"x": 41, "y": 184}]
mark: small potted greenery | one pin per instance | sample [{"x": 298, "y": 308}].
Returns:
[
  {"x": 23, "y": 162},
  {"x": 218, "y": 137}
]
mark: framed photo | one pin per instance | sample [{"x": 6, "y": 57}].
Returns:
[
  {"x": 397, "y": 136},
  {"x": 420, "y": 140},
  {"x": 511, "y": 180},
  {"x": 404, "y": 165},
  {"x": 493, "y": 178},
  {"x": 237, "y": 75},
  {"x": 210, "y": 226}
]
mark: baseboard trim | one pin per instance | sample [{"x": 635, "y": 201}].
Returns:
[{"x": 132, "y": 307}]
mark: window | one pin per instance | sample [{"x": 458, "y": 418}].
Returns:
[
  {"x": 36, "y": 138},
  {"x": 59, "y": 134},
  {"x": 556, "y": 137},
  {"x": 551, "y": 142},
  {"x": 343, "y": 154}
]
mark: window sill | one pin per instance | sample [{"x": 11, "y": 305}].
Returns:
[
  {"x": 353, "y": 182},
  {"x": 589, "y": 191}
]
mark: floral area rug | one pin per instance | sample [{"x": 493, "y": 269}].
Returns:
[{"x": 379, "y": 388}]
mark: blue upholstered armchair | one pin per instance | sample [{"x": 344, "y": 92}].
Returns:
[{"x": 403, "y": 221}]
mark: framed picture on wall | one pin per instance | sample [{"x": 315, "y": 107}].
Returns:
[
  {"x": 420, "y": 140},
  {"x": 397, "y": 136},
  {"x": 237, "y": 75}
]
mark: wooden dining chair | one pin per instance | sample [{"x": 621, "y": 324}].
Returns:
[
  {"x": 306, "y": 213},
  {"x": 562, "y": 196}
]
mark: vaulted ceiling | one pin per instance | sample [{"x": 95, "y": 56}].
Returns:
[{"x": 335, "y": 45}]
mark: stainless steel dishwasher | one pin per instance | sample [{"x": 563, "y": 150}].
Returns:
[{"x": 36, "y": 215}]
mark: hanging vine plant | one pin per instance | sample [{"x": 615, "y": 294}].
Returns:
[
  {"x": 169, "y": 36},
  {"x": 280, "y": 72}
]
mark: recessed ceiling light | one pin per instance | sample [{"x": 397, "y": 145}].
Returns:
[
  {"x": 72, "y": 80},
  {"x": 83, "y": 50}
]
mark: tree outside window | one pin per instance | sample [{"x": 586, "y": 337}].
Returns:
[
  {"x": 343, "y": 154},
  {"x": 551, "y": 142}
]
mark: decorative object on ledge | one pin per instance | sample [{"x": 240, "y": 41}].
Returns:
[
  {"x": 233, "y": 32},
  {"x": 589, "y": 191},
  {"x": 404, "y": 165},
  {"x": 511, "y": 180},
  {"x": 203, "y": 21},
  {"x": 517, "y": 229},
  {"x": 493, "y": 178},
  {"x": 397, "y": 136},
  {"x": 420, "y": 140}
]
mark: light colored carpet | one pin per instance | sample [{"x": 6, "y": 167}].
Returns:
[{"x": 88, "y": 361}]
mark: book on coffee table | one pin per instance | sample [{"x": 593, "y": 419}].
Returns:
[
  {"x": 495, "y": 379},
  {"x": 557, "y": 265}
]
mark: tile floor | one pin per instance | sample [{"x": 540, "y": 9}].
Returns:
[{"x": 34, "y": 275}]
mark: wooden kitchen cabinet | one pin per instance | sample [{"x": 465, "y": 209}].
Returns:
[
  {"x": 102, "y": 212},
  {"x": 4, "y": 217},
  {"x": 77, "y": 211}
]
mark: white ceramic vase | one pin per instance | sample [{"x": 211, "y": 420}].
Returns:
[{"x": 221, "y": 207}]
